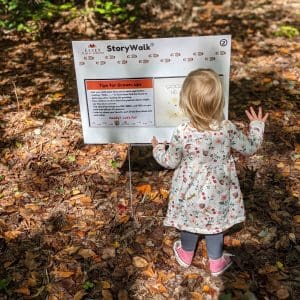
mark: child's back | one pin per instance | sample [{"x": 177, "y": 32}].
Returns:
[{"x": 205, "y": 179}]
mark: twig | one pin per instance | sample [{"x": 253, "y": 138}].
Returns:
[
  {"x": 67, "y": 119},
  {"x": 130, "y": 187},
  {"x": 40, "y": 144},
  {"x": 15, "y": 90},
  {"x": 143, "y": 199},
  {"x": 151, "y": 217},
  {"x": 86, "y": 168},
  {"x": 47, "y": 276}
]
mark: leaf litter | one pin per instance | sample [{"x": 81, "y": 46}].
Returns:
[{"x": 68, "y": 226}]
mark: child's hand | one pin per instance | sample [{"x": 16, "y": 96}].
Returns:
[
  {"x": 252, "y": 116},
  {"x": 154, "y": 142}
]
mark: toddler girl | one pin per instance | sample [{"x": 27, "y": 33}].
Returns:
[{"x": 205, "y": 196}]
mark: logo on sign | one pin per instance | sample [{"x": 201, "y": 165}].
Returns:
[{"x": 91, "y": 49}]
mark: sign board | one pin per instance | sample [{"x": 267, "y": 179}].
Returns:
[{"x": 129, "y": 89}]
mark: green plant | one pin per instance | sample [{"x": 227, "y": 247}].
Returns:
[
  {"x": 26, "y": 15},
  {"x": 114, "y": 164},
  {"x": 121, "y": 10},
  {"x": 287, "y": 31},
  {"x": 71, "y": 158},
  {"x": 88, "y": 286},
  {"x": 225, "y": 297},
  {"x": 4, "y": 284}
]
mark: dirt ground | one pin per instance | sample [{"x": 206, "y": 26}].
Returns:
[{"x": 71, "y": 227}]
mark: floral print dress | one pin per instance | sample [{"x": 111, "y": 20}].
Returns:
[{"x": 205, "y": 195}]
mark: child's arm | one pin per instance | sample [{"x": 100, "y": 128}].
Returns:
[
  {"x": 171, "y": 157},
  {"x": 249, "y": 145}
]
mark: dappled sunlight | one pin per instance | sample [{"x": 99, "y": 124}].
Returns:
[{"x": 71, "y": 227}]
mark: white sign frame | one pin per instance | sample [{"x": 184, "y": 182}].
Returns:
[{"x": 139, "y": 59}]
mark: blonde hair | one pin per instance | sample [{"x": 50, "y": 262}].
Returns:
[{"x": 201, "y": 98}]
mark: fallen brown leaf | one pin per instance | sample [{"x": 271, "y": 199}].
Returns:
[
  {"x": 283, "y": 293},
  {"x": 107, "y": 295},
  {"x": 196, "y": 296},
  {"x": 23, "y": 290},
  {"x": 139, "y": 262},
  {"x": 62, "y": 274},
  {"x": 71, "y": 250},
  {"x": 108, "y": 253},
  {"x": 122, "y": 295},
  {"x": 79, "y": 295},
  {"x": 144, "y": 189},
  {"x": 149, "y": 271},
  {"x": 164, "y": 276},
  {"x": 297, "y": 218},
  {"x": 193, "y": 276},
  {"x": 10, "y": 235},
  {"x": 240, "y": 284},
  {"x": 105, "y": 285},
  {"x": 164, "y": 193},
  {"x": 267, "y": 269},
  {"x": 206, "y": 289},
  {"x": 157, "y": 288},
  {"x": 86, "y": 253}
]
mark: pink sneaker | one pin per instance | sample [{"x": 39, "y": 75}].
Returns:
[
  {"x": 220, "y": 265},
  {"x": 184, "y": 258}
]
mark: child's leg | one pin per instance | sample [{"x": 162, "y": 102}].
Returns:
[
  {"x": 188, "y": 240},
  {"x": 184, "y": 249},
  {"x": 218, "y": 261},
  {"x": 214, "y": 245}
]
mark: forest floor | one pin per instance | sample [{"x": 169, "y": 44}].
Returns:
[{"x": 69, "y": 226}]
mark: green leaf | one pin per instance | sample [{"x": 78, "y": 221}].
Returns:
[
  {"x": 100, "y": 11},
  {"x": 20, "y": 27},
  {"x": 225, "y": 297},
  {"x": 132, "y": 18},
  {"x": 88, "y": 285},
  {"x": 280, "y": 265},
  {"x": 4, "y": 284},
  {"x": 114, "y": 164},
  {"x": 109, "y": 5},
  {"x": 18, "y": 144},
  {"x": 12, "y": 5},
  {"x": 61, "y": 190},
  {"x": 66, "y": 6},
  {"x": 287, "y": 31},
  {"x": 71, "y": 158},
  {"x": 249, "y": 296}
]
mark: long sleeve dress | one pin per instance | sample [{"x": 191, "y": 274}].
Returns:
[{"x": 205, "y": 195}]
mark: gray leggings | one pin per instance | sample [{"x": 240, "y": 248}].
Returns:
[{"x": 214, "y": 243}]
